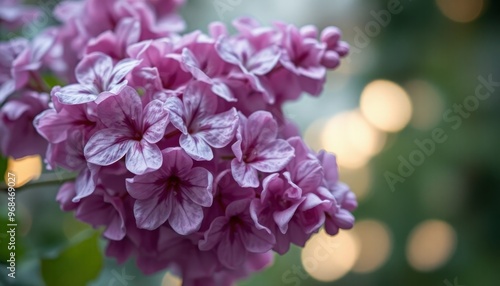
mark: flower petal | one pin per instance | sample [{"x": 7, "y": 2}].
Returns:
[
  {"x": 226, "y": 51},
  {"x": 186, "y": 217},
  {"x": 143, "y": 187},
  {"x": 143, "y": 157},
  {"x": 176, "y": 161},
  {"x": 76, "y": 94},
  {"x": 198, "y": 101},
  {"x": 175, "y": 110},
  {"x": 257, "y": 240},
  {"x": 154, "y": 122},
  {"x": 273, "y": 156},
  {"x": 121, "y": 70},
  {"x": 85, "y": 183},
  {"x": 231, "y": 252},
  {"x": 244, "y": 174},
  {"x": 190, "y": 64},
  {"x": 214, "y": 234},
  {"x": 218, "y": 130},
  {"x": 264, "y": 61},
  {"x": 196, "y": 147},
  {"x": 95, "y": 67},
  {"x": 123, "y": 110},
  {"x": 152, "y": 213},
  {"x": 107, "y": 146},
  {"x": 198, "y": 186}
]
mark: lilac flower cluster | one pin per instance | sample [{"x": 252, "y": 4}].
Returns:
[{"x": 179, "y": 142}]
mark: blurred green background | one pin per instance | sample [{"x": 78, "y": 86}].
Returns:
[{"x": 414, "y": 140}]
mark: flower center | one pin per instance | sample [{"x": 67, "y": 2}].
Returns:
[{"x": 173, "y": 183}]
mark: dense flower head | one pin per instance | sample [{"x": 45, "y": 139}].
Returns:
[{"x": 179, "y": 143}]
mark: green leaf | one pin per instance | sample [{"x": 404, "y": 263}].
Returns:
[
  {"x": 52, "y": 80},
  {"x": 77, "y": 265},
  {"x": 3, "y": 168}
]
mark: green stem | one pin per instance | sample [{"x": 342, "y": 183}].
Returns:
[{"x": 45, "y": 180}]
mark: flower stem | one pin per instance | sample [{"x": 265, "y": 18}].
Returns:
[{"x": 49, "y": 179}]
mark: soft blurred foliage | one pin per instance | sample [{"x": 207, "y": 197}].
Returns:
[{"x": 437, "y": 225}]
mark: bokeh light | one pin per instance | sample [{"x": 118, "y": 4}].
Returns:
[
  {"x": 375, "y": 245},
  {"x": 312, "y": 135},
  {"x": 25, "y": 169},
  {"x": 386, "y": 105},
  {"x": 171, "y": 280},
  {"x": 462, "y": 11},
  {"x": 352, "y": 139},
  {"x": 328, "y": 258},
  {"x": 359, "y": 180},
  {"x": 430, "y": 245},
  {"x": 428, "y": 105}
]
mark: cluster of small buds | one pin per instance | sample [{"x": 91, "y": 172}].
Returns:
[{"x": 179, "y": 142}]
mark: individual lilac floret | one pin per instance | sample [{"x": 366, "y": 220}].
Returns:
[
  {"x": 339, "y": 216},
  {"x": 276, "y": 207},
  {"x": 195, "y": 116},
  {"x": 10, "y": 51},
  {"x": 303, "y": 58},
  {"x": 160, "y": 71},
  {"x": 18, "y": 135},
  {"x": 20, "y": 62},
  {"x": 258, "y": 149},
  {"x": 235, "y": 235},
  {"x": 96, "y": 74},
  {"x": 201, "y": 59},
  {"x": 57, "y": 123},
  {"x": 176, "y": 192},
  {"x": 115, "y": 43},
  {"x": 69, "y": 155},
  {"x": 104, "y": 209},
  {"x": 129, "y": 131},
  {"x": 252, "y": 62},
  {"x": 335, "y": 49},
  {"x": 304, "y": 169}
]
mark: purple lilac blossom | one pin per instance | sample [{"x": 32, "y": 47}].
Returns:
[{"x": 179, "y": 143}]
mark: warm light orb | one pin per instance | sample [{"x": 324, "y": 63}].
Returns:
[
  {"x": 430, "y": 245},
  {"x": 364, "y": 137},
  {"x": 328, "y": 258},
  {"x": 25, "y": 169},
  {"x": 312, "y": 135},
  {"x": 386, "y": 105},
  {"x": 462, "y": 11},
  {"x": 352, "y": 139},
  {"x": 375, "y": 245},
  {"x": 359, "y": 180},
  {"x": 171, "y": 280}
]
